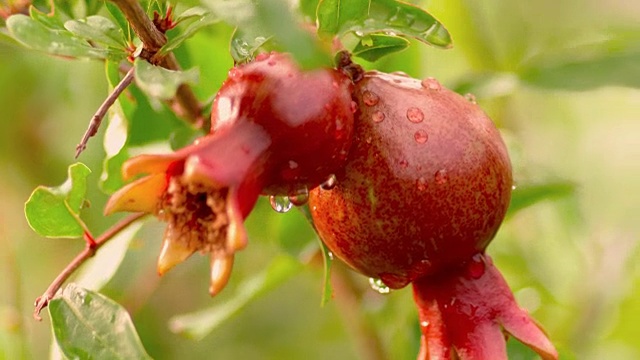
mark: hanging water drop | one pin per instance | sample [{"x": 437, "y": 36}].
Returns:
[
  {"x": 300, "y": 198},
  {"x": 280, "y": 204},
  {"x": 379, "y": 286},
  {"x": 330, "y": 183},
  {"x": 235, "y": 73},
  {"x": 421, "y": 184}
]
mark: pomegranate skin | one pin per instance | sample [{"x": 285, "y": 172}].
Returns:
[
  {"x": 306, "y": 115},
  {"x": 427, "y": 183}
]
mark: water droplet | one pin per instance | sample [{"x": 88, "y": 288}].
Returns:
[
  {"x": 330, "y": 255},
  {"x": 431, "y": 84},
  {"x": 235, "y": 73},
  {"x": 470, "y": 98},
  {"x": 330, "y": 183},
  {"x": 415, "y": 115},
  {"x": 400, "y": 73},
  {"x": 421, "y": 136},
  {"x": 403, "y": 163},
  {"x": 368, "y": 140},
  {"x": 280, "y": 204},
  {"x": 379, "y": 286},
  {"x": 377, "y": 116},
  {"x": 441, "y": 176},
  {"x": 514, "y": 186},
  {"x": 354, "y": 107},
  {"x": 421, "y": 184},
  {"x": 300, "y": 198},
  {"x": 476, "y": 267},
  {"x": 262, "y": 56},
  {"x": 359, "y": 33},
  {"x": 369, "y": 98},
  {"x": 293, "y": 164},
  {"x": 424, "y": 323}
]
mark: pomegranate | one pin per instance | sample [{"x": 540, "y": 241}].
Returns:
[
  {"x": 276, "y": 129},
  {"x": 425, "y": 189}
]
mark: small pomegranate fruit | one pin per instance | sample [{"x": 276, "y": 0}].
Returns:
[
  {"x": 276, "y": 130},
  {"x": 426, "y": 186}
]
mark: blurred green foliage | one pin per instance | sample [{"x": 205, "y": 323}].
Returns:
[{"x": 561, "y": 79}]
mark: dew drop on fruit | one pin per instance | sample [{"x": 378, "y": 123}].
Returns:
[
  {"x": 379, "y": 286},
  {"x": 235, "y": 73},
  {"x": 330, "y": 255},
  {"x": 470, "y": 98},
  {"x": 330, "y": 183},
  {"x": 476, "y": 267},
  {"x": 424, "y": 323},
  {"x": 300, "y": 198},
  {"x": 403, "y": 163},
  {"x": 354, "y": 107},
  {"x": 421, "y": 136},
  {"x": 377, "y": 116},
  {"x": 421, "y": 184},
  {"x": 262, "y": 56},
  {"x": 369, "y": 98},
  {"x": 441, "y": 176},
  {"x": 280, "y": 204},
  {"x": 415, "y": 115},
  {"x": 431, "y": 84},
  {"x": 514, "y": 186}
]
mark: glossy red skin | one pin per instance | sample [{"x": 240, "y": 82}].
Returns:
[
  {"x": 468, "y": 310},
  {"x": 393, "y": 214},
  {"x": 307, "y": 117}
]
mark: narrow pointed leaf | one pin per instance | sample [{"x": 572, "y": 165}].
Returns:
[
  {"x": 376, "y": 46},
  {"x": 88, "y": 325},
  {"x": 53, "y": 211},
  {"x": 526, "y": 195}
]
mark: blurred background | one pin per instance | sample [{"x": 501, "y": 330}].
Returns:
[{"x": 561, "y": 79}]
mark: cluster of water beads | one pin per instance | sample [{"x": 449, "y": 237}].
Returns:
[
  {"x": 284, "y": 203},
  {"x": 379, "y": 286}
]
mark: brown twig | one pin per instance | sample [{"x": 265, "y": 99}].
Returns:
[
  {"x": 153, "y": 40},
  {"x": 89, "y": 250},
  {"x": 96, "y": 120}
]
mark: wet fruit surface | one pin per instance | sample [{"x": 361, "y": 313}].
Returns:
[{"x": 427, "y": 184}]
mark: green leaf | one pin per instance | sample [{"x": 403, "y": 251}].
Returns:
[
  {"x": 526, "y": 195},
  {"x": 88, "y": 325},
  {"x": 364, "y": 17},
  {"x": 159, "y": 82},
  {"x": 37, "y": 36},
  {"x": 585, "y": 73},
  {"x": 198, "y": 324},
  {"x": 269, "y": 25},
  {"x": 54, "y": 211},
  {"x": 375, "y": 46},
  {"x": 96, "y": 272},
  {"x": 327, "y": 258},
  {"x": 120, "y": 19},
  {"x": 203, "y": 18},
  {"x": 99, "y": 29}
]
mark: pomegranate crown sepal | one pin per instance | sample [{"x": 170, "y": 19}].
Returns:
[{"x": 276, "y": 130}]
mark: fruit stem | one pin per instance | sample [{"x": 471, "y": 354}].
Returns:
[{"x": 88, "y": 252}]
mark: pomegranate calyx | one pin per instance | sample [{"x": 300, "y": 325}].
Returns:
[{"x": 469, "y": 310}]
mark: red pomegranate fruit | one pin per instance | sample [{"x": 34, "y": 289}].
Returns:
[
  {"x": 276, "y": 129},
  {"x": 425, "y": 189}
]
